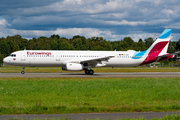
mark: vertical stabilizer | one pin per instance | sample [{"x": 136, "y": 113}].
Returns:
[
  {"x": 161, "y": 44},
  {"x": 159, "y": 47}
]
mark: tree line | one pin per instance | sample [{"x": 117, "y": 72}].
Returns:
[{"x": 55, "y": 42}]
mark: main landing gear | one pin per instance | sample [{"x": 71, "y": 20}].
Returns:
[
  {"x": 89, "y": 72},
  {"x": 22, "y": 72}
]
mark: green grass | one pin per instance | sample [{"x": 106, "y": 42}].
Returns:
[
  {"x": 14, "y": 69},
  {"x": 88, "y": 95}
]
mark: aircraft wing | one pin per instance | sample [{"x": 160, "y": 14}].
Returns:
[
  {"x": 93, "y": 61},
  {"x": 97, "y": 61}
]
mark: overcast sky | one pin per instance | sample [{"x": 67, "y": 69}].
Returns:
[{"x": 110, "y": 19}]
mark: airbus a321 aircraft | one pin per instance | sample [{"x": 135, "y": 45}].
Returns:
[{"x": 86, "y": 60}]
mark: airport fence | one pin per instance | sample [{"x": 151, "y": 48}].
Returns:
[{"x": 158, "y": 65}]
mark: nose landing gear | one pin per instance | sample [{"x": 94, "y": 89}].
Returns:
[{"x": 22, "y": 72}]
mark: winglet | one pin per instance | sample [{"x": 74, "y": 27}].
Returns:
[{"x": 166, "y": 33}]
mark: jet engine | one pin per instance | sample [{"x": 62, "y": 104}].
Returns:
[{"x": 73, "y": 67}]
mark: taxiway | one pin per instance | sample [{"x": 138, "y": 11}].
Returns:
[
  {"x": 109, "y": 116},
  {"x": 96, "y": 75}
]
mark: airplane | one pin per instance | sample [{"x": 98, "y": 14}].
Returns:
[{"x": 86, "y": 60}]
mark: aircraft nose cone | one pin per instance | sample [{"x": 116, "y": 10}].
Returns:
[{"x": 5, "y": 60}]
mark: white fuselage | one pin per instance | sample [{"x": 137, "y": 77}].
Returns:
[{"x": 60, "y": 58}]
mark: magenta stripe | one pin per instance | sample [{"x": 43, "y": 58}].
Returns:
[{"x": 154, "y": 52}]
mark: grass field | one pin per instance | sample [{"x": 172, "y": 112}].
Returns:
[
  {"x": 14, "y": 69},
  {"x": 88, "y": 95}
]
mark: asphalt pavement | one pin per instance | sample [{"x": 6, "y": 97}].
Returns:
[{"x": 96, "y": 75}]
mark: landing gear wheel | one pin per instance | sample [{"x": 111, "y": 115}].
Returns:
[
  {"x": 91, "y": 72},
  {"x": 22, "y": 72},
  {"x": 87, "y": 72}
]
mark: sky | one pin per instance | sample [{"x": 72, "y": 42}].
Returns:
[{"x": 111, "y": 19}]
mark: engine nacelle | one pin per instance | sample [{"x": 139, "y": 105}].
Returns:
[{"x": 73, "y": 67}]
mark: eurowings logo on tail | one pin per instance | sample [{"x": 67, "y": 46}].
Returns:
[{"x": 158, "y": 48}]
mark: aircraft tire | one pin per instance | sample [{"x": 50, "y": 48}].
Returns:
[
  {"x": 91, "y": 72},
  {"x": 22, "y": 72},
  {"x": 87, "y": 72}
]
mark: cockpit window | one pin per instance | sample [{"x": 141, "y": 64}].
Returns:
[{"x": 12, "y": 55}]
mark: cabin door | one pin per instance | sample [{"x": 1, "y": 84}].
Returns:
[
  {"x": 57, "y": 56},
  {"x": 23, "y": 56}
]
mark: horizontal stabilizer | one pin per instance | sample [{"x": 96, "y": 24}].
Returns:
[{"x": 164, "y": 56}]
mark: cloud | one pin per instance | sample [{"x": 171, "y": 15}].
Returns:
[
  {"x": 174, "y": 25},
  {"x": 87, "y": 32},
  {"x": 4, "y": 23},
  {"x": 3, "y": 30},
  {"x": 111, "y": 19},
  {"x": 70, "y": 32}
]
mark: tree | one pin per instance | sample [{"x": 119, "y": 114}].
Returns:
[
  {"x": 55, "y": 36},
  {"x": 15, "y": 47},
  {"x": 149, "y": 42},
  {"x": 31, "y": 44},
  {"x": 98, "y": 43},
  {"x": 178, "y": 45},
  {"x": 125, "y": 46},
  {"x": 141, "y": 45},
  {"x": 77, "y": 44},
  {"x": 76, "y": 36},
  {"x": 129, "y": 41},
  {"x": 80, "y": 43},
  {"x": 171, "y": 48},
  {"x": 5, "y": 48},
  {"x": 64, "y": 45},
  {"x": 1, "y": 58},
  {"x": 54, "y": 44}
]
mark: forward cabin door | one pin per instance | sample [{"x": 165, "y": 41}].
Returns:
[
  {"x": 23, "y": 56},
  {"x": 57, "y": 56}
]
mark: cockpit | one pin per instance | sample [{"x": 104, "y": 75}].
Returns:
[{"x": 12, "y": 55}]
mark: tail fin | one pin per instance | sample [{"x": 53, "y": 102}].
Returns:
[{"x": 159, "y": 47}]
